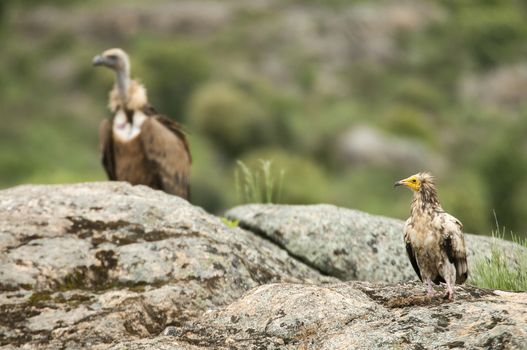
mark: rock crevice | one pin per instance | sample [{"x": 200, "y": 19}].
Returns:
[
  {"x": 346, "y": 243},
  {"x": 92, "y": 264},
  {"x": 109, "y": 265},
  {"x": 300, "y": 258}
]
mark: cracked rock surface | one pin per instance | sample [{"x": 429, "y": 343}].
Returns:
[
  {"x": 356, "y": 315},
  {"x": 88, "y": 265},
  {"x": 109, "y": 265},
  {"x": 347, "y": 243}
]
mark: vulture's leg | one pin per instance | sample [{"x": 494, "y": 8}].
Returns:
[
  {"x": 429, "y": 289},
  {"x": 449, "y": 274},
  {"x": 449, "y": 290}
]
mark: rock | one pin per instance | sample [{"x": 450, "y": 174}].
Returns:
[
  {"x": 356, "y": 315},
  {"x": 172, "y": 331},
  {"x": 501, "y": 88},
  {"x": 124, "y": 21},
  {"x": 109, "y": 265},
  {"x": 364, "y": 145},
  {"x": 345, "y": 243},
  {"x": 88, "y": 265},
  {"x": 371, "y": 27}
]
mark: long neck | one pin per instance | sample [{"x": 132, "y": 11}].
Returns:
[
  {"x": 123, "y": 82},
  {"x": 425, "y": 200}
]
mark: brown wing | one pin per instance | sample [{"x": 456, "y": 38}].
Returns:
[
  {"x": 106, "y": 148},
  {"x": 454, "y": 246},
  {"x": 167, "y": 149},
  {"x": 174, "y": 126},
  {"x": 410, "y": 250}
]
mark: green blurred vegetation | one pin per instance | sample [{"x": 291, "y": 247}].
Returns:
[{"x": 285, "y": 81}]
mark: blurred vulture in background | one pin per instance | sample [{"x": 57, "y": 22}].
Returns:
[{"x": 137, "y": 144}]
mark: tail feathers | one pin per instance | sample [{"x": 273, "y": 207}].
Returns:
[{"x": 461, "y": 272}]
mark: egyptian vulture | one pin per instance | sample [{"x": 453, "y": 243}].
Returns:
[
  {"x": 137, "y": 144},
  {"x": 434, "y": 239}
]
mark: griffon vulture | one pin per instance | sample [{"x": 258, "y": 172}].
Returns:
[{"x": 138, "y": 145}]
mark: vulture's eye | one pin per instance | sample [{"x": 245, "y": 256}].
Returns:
[
  {"x": 112, "y": 57},
  {"x": 413, "y": 180}
]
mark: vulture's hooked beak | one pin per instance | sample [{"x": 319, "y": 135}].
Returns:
[
  {"x": 411, "y": 182},
  {"x": 398, "y": 183},
  {"x": 99, "y": 61}
]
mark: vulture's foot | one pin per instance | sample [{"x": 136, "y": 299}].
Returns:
[{"x": 431, "y": 293}]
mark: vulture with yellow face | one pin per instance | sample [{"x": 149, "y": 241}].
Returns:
[
  {"x": 138, "y": 145},
  {"x": 434, "y": 239}
]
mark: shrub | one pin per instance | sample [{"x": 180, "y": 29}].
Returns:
[
  {"x": 370, "y": 189},
  {"x": 469, "y": 202},
  {"x": 419, "y": 93},
  {"x": 228, "y": 116},
  {"x": 213, "y": 193},
  {"x": 171, "y": 73},
  {"x": 503, "y": 167},
  {"x": 406, "y": 120},
  {"x": 492, "y": 34}
]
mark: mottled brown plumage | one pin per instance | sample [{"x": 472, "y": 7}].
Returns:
[
  {"x": 138, "y": 145},
  {"x": 434, "y": 239}
]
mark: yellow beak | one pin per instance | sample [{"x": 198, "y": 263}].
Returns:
[{"x": 407, "y": 183}]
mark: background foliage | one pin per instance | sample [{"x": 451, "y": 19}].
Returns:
[{"x": 344, "y": 96}]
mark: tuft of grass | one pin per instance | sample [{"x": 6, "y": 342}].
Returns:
[
  {"x": 230, "y": 223},
  {"x": 260, "y": 184},
  {"x": 497, "y": 272}
]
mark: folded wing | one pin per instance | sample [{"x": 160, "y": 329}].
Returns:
[
  {"x": 410, "y": 250},
  {"x": 166, "y": 148},
  {"x": 453, "y": 243},
  {"x": 106, "y": 148}
]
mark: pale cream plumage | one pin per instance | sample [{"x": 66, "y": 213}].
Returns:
[{"x": 434, "y": 239}]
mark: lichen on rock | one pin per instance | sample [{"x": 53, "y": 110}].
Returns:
[
  {"x": 110, "y": 265},
  {"x": 346, "y": 243},
  {"x": 92, "y": 264}
]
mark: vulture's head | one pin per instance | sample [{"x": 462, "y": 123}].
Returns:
[
  {"x": 417, "y": 181},
  {"x": 115, "y": 59}
]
